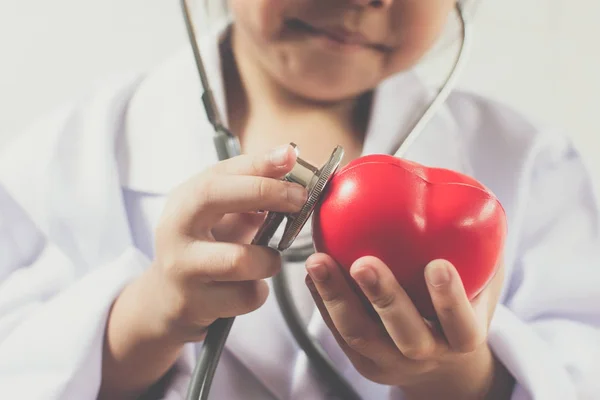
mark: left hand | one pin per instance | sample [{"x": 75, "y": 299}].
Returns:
[{"x": 395, "y": 345}]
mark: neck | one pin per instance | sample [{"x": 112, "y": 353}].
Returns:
[{"x": 251, "y": 90}]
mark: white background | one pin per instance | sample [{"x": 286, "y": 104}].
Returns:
[{"x": 542, "y": 56}]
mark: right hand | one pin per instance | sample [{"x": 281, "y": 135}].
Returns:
[{"x": 204, "y": 269}]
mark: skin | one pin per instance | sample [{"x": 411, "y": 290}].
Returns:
[
  {"x": 447, "y": 358},
  {"x": 285, "y": 83},
  {"x": 400, "y": 32},
  {"x": 203, "y": 270}
]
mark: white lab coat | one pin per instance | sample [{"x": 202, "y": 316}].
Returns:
[{"x": 81, "y": 192}]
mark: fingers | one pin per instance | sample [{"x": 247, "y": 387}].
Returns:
[
  {"x": 219, "y": 300},
  {"x": 275, "y": 164},
  {"x": 401, "y": 319},
  {"x": 226, "y": 262},
  {"x": 238, "y": 194},
  {"x": 212, "y": 197},
  {"x": 344, "y": 309},
  {"x": 465, "y": 330},
  {"x": 204, "y": 278},
  {"x": 230, "y": 299},
  {"x": 237, "y": 185},
  {"x": 354, "y": 356}
]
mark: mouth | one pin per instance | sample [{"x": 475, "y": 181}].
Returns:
[{"x": 340, "y": 36}]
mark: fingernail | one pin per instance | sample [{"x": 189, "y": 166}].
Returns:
[
  {"x": 438, "y": 274},
  {"x": 366, "y": 277},
  {"x": 318, "y": 272},
  {"x": 297, "y": 195},
  {"x": 279, "y": 156}
]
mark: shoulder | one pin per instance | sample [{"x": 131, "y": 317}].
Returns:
[
  {"x": 103, "y": 103},
  {"x": 485, "y": 120},
  {"x": 501, "y": 139},
  {"x": 536, "y": 170},
  {"x": 91, "y": 120},
  {"x": 519, "y": 158}
]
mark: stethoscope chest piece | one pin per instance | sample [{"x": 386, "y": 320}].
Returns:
[{"x": 315, "y": 181}]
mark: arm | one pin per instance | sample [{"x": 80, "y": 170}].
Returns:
[
  {"x": 58, "y": 279},
  {"x": 136, "y": 353},
  {"x": 51, "y": 319},
  {"x": 545, "y": 331},
  {"x": 544, "y": 338},
  {"x": 484, "y": 378}
]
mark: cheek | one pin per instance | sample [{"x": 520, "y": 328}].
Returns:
[
  {"x": 262, "y": 19},
  {"x": 420, "y": 26},
  {"x": 310, "y": 71}
]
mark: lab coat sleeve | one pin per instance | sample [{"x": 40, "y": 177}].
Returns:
[
  {"x": 52, "y": 317},
  {"x": 545, "y": 331}
]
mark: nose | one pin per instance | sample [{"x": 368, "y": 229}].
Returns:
[{"x": 373, "y": 3}]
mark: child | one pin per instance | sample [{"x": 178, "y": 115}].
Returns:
[{"x": 123, "y": 238}]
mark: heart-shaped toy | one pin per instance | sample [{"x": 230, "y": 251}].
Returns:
[{"x": 407, "y": 215}]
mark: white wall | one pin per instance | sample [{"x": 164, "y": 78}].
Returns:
[
  {"x": 51, "y": 50},
  {"x": 539, "y": 55}
]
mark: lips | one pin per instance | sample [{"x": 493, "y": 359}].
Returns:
[
  {"x": 345, "y": 37},
  {"x": 339, "y": 35}
]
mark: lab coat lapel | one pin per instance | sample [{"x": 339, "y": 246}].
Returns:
[
  {"x": 441, "y": 145},
  {"x": 398, "y": 104},
  {"x": 168, "y": 135}
]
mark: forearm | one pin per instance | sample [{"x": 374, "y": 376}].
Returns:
[
  {"x": 137, "y": 353},
  {"x": 482, "y": 377}
]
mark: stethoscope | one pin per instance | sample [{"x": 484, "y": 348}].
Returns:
[{"x": 314, "y": 180}]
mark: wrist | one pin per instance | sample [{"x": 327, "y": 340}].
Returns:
[
  {"x": 140, "y": 310},
  {"x": 138, "y": 349},
  {"x": 478, "y": 375}
]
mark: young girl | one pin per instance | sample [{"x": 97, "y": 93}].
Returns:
[{"x": 122, "y": 238}]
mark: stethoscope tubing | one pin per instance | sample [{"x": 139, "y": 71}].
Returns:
[{"x": 227, "y": 147}]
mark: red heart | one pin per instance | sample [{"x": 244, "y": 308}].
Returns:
[{"x": 407, "y": 215}]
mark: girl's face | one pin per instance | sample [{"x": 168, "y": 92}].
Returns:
[{"x": 328, "y": 50}]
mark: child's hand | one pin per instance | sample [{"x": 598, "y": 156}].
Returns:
[
  {"x": 202, "y": 278},
  {"x": 396, "y": 346},
  {"x": 201, "y": 272}
]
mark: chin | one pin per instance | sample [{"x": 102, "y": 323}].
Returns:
[
  {"x": 324, "y": 94},
  {"x": 324, "y": 90},
  {"x": 325, "y": 76},
  {"x": 320, "y": 95}
]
